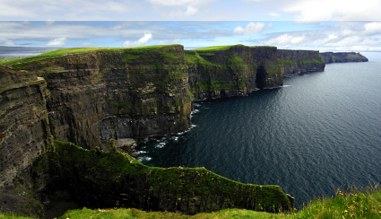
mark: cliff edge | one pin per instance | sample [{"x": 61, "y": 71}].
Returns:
[
  {"x": 96, "y": 97},
  {"x": 341, "y": 57}
]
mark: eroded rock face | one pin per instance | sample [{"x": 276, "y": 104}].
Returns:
[
  {"x": 342, "y": 57},
  {"x": 105, "y": 180},
  {"x": 297, "y": 62},
  {"x": 24, "y": 126},
  {"x": 93, "y": 97},
  {"x": 240, "y": 70},
  {"x": 100, "y": 96}
]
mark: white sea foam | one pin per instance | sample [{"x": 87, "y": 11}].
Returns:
[
  {"x": 141, "y": 152},
  {"x": 196, "y": 104},
  {"x": 161, "y": 144},
  {"x": 141, "y": 159}
]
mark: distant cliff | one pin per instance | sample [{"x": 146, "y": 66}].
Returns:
[
  {"x": 223, "y": 71},
  {"x": 340, "y": 57},
  {"x": 96, "y": 97}
]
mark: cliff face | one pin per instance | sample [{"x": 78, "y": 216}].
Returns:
[
  {"x": 98, "y": 96},
  {"x": 105, "y": 180},
  {"x": 93, "y": 97},
  {"x": 339, "y": 57},
  {"x": 24, "y": 126},
  {"x": 218, "y": 72},
  {"x": 296, "y": 62}
]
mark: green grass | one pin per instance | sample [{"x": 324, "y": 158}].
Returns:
[
  {"x": 72, "y": 51},
  {"x": 13, "y": 216},
  {"x": 135, "y": 213},
  {"x": 214, "y": 48},
  {"x": 351, "y": 204},
  {"x": 263, "y": 47},
  {"x": 175, "y": 188},
  {"x": 193, "y": 57},
  {"x": 312, "y": 61},
  {"x": 345, "y": 205}
]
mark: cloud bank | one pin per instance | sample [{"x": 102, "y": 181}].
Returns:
[{"x": 250, "y": 28}]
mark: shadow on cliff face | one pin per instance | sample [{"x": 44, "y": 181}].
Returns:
[
  {"x": 261, "y": 77},
  {"x": 73, "y": 177}
]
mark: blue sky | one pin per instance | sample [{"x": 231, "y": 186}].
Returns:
[{"x": 299, "y": 24}]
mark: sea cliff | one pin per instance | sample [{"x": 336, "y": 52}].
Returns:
[
  {"x": 97, "y": 98},
  {"x": 341, "y": 57}
]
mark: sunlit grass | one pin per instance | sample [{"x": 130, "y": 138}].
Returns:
[
  {"x": 213, "y": 48},
  {"x": 71, "y": 51},
  {"x": 352, "y": 204}
]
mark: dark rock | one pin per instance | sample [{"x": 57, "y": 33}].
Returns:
[{"x": 341, "y": 57}]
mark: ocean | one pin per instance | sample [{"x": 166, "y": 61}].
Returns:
[{"x": 318, "y": 133}]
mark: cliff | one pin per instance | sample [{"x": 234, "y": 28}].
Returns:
[
  {"x": 97, "y": 98},
  {"x": 24, "y": 124},
  {"x": 339, "y": 57},
  {"x": 217, "y": 72},
  {"x": 105, "y": 180},
  {"x": 105, "y": 94}
]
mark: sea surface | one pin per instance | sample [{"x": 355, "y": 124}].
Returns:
[{"x": 319, "y": 133}]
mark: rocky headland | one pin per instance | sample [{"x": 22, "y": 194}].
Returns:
[
  {"x": 342, "y": 57},
  {"x": 100, "y": 98}
]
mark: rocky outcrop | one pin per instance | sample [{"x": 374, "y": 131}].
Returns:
[
  {"x": 97, "y": 179},
  {"x": 24, "y": 124},
  {"x": 340, "y": 57}
]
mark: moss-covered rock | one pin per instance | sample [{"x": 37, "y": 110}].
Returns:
[{"x": 97, "y": 179}]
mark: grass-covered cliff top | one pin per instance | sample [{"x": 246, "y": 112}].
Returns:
[
  {"x": 99, "y": 179},
  {"x": 344, "y": 205},
  {"x": 73, "y": 51},
  {"x": 226, "y": 47},
  {"x": 213, "y": 48}
]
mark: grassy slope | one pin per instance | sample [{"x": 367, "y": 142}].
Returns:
[
  {"x": 70, "y": 51},
  {"x": 107, "y": 173},
  {"x": 349, "y": 205}
]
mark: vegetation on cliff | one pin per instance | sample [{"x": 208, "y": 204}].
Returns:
[
  {"x": 90, "y": 96},
  {"x": 20, "y": 62},
  {"x": 352, "y": 204},
  {"x": 342, "y": 57},
  {"x": 99, "y": 180}
]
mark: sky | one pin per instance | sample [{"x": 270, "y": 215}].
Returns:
[{"x": 325, "y": 25}]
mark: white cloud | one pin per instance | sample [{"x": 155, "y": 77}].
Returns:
[
  {"x": 57, "y": 42},
  {"x": 177, "y": 2},
  {"x": 191, "y": 10},
  {"x": 274, "y": 14},
  {"x": 180, "y": 8},
  {"x": 286, "y": 40},
  {"x": 19, "y": 10},
  {"x": 342, "y": 36},
  {"x": 250, "y": 28},
  {"x": 372, "y": 27},
  {"x": 141, "y": 41},
  {"x": 6, "y": 42},
  {"x": 339, "y": 10},
  {"x": 145, "y": 38}
]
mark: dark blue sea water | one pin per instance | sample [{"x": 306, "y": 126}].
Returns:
[{"x": 320, "y": 132}]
